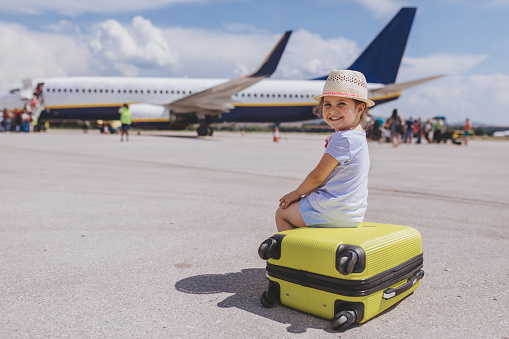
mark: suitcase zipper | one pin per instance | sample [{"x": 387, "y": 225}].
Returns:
[{"x": 352, "y": 288}]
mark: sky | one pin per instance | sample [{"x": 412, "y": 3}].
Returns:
[{"x": 466, "y": 40}]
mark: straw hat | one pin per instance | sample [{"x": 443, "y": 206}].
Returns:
[{"x": 346, "y": 84}]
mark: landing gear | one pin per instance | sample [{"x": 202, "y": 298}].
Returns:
[{"x": 204, "y": 130}]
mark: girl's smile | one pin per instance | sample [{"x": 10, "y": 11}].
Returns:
[{"x": 341, "y": 113}]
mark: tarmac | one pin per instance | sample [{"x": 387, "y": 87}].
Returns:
[{"x": 158, "y": 237}]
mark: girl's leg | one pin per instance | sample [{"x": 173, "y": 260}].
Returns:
[{"x": 289, "y": 218}]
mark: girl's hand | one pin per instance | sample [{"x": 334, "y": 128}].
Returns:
[{"x": 287, "y": 199}]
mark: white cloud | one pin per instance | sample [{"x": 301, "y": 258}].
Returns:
[
  {"x": 64, "y": 26},
  {"x": 128, "y": 50},
  {"x": 382, "y": 8},
  {"x": 308, "y": 55},
  {"x": 205, "y": 53},
  {"x": 451, "y": 64},
  {"x": 32, "y": 54}
]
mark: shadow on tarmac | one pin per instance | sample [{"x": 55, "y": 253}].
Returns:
[
  {"x": 247, "y": 286},
  {"x": 179, "y": 136}
]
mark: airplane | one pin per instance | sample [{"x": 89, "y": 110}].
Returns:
[{"x": 175, "y": 103}]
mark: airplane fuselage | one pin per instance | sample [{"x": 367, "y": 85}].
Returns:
[{"x": 98, "y": 98}]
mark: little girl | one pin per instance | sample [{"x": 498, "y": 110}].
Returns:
[{"x": 335, "y": 193}]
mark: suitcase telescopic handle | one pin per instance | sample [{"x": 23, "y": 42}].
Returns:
[{"x": 393, "y": 292}]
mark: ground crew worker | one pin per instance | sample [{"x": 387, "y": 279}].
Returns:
[{"x": 125, "y": 119}]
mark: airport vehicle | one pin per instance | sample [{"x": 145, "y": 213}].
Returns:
[
  {"x": 174, "y": 103},
  {"x": 348, "y": 275},
  {"x": 456, "y": 136}
]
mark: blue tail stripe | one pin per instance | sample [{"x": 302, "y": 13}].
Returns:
[{"x": 380, "y": 61}]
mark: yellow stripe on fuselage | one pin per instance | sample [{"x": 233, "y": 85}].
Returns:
[
  {"x": 385, "y": 97},
  {"x": 83, "y": 106},
  {"x": 272, "y": 104},
  {"x": 149, "y": 120},
  {"x": 237, "y": 104}
]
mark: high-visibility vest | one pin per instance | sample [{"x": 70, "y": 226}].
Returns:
[{"x": 125, "y": 115}]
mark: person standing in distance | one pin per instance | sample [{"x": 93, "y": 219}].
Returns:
[
  {"x": 125, "y": 119},
  {"x": 335, "y": 193},
  {"x": 467, "y": 129}
]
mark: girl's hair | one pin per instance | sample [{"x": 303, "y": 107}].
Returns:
[{"x": 318, "y": 111}]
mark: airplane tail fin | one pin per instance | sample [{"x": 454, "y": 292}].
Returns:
[
  {"x": 380, "y": 61},
  {"x": 270, "y": 64}
]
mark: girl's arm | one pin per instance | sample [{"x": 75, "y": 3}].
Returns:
[{"x": 314, "y": 179}]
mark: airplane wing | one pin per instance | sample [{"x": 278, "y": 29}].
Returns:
[
  {"x": 393, "y": 88},
  {"x": 215, "y": 100}
]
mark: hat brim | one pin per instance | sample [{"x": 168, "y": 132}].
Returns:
[{"x": 368, "y": 102}]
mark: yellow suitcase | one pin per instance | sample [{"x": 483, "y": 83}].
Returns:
[{"x": 348, "y": 275}]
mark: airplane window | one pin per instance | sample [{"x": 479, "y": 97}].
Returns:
[
  {"x": 254, "y": 95},
  {"x": 95, "y": 90},
  {"x": 161, "y": 92},
  {"x": 100, "y": 91},
  {"x": 70, "y": 90},
  {"x": 167, "y": 92},
  {"x": 136, "y": 91},
  {"x": 141, "y": 91},
  {"x": 89, "y": 90},
  {"x": 59, "y": 90},
  {"x": 284, "y": 95},
  {"x": 249, "y": 95},
  {"x": 279, "y": 95},
  {"x": 118, "y": 91},
  {"x": 178, "y": 92},
  {"x": 83, "y": 90},
  {"x": 65, "y": 90},
  {"x": 148, "y": 91}
]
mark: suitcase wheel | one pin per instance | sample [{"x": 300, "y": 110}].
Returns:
[
  {"x": 267, "y": 248},
  {"x": 343, "y": 320},
  {"x": 267, "y": 299},
  {"x": 345, "y": 264}
]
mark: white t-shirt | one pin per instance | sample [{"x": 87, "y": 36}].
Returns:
[{"x": 343, "y": 196}]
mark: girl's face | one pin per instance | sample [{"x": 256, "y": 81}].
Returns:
[{"x": 341, "y": 113}]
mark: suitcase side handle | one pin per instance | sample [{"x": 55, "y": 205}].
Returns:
[{"x": 393, "y": 292}]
